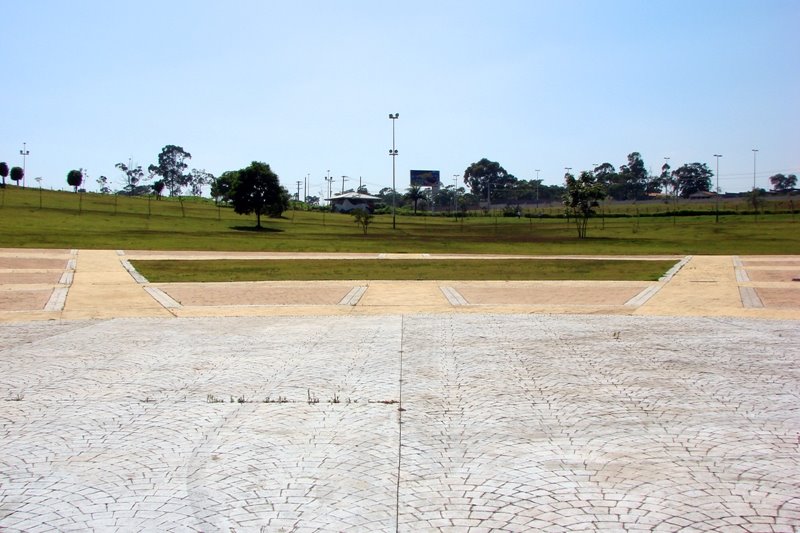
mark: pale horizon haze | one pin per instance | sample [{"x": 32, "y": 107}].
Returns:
[{"x": 307, "y": 86}]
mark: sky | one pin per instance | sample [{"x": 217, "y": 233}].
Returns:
[{"x": 307, "y": 87}]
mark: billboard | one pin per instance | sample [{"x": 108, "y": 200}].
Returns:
[{"x": 425, "y": 178}]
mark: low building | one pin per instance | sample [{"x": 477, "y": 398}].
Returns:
[{"x": 349, "y": 201}]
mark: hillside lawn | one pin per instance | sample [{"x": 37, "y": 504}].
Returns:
[{"x": 95, "y": 221}]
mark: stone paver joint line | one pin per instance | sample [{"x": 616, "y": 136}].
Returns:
[
  {"x": 354, "y": 296},
  {"x": 133, "y": 272},
  {"x": 675, "y": 269},
  {"x": 163, "y": 298},
  {"x": 750, "y": 298},
  {"x": 641, "y": 298},
  {"x": 453, "y": 296},
  {"x": 57, "y": 299}
]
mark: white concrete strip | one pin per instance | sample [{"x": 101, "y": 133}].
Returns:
[
  {"x": 133, "y": 272},
  {"x": 737, "y": 262},
  {"x": 641, "y": 298},
  {"x": 741, "y": 275},
  {"x": 353, "y": 297},
  {"x": 66, "y": 278},
  {"x": 57, "y": 299},
  {"x": 71, "y": 264},
  {"x": 750, "y": 298},
  {"x": 675, "y": 269},
  {"x": 120, "y": 252},
  {"x": 163, "y": 298},
  {"x": 453, "y": 296}
]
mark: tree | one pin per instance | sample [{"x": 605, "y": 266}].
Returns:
[
  {"x": 222, "y": 186},
  {"x": 486, "y": 176},
  {"x": 172, "y": 168},
  {"x": 633, "y": 178},
  {"x": 582, "y": 196},
  {"x": 415, "y": 194},
  {"x": 102, "y": 181},
  {"x": 16, "y": 174},
  {"x": 362, "y": 217},
  {"x": 199, "y": 178},
  {"x": 258, "y": 190},
  {"x": 75, "y": 178},
  {"x": 692, "y": 178},
  {"x": 133, "y": 176},
  {"x": 781, "y": 183},
  {"x": 158, "y": 188},
  {"x": 4, "y": 171}
]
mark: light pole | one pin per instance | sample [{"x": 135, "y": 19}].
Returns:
[
  {"x": 717, "y": 191},
  {"x": 24, "y": 153},
  {"x": 329, "y": 179},
  {"x": 537, "y": 188},
  {"x": 755, "y": 151},
  {"x": 39, "y": 181},
  {"x": 393, "y": 153},
  {"x": 567, "y": 169},
  {"x": 455, "y": 193}
]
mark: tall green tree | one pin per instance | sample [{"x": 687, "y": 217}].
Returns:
[
  {"x": 582, "y": 196},
  {"x": 102, "y": 181},
  {"x": 199, "y": 178},
  {"x": 691, "y": 178},
  {"x": 782, "y": 183},
  {"x": 633, "y": 177},
  {"x": 133, "y": 176},
  {"x": 485, "y": 177},
  {"x": 74, "y": 179},
  {"x": 222, "y": 186},
  {"x": 258, "y": 190},
  {"x": 172, "y": 168},
  {"x": 16, "y": 174},
  {"x": 415, "y": 194},
  {"x": 4, "y": 171}
]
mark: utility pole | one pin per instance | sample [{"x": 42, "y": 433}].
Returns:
[
  {"x": 755, "y": 151},
  {"x": 329, "y": 179},
  {"x": 393, "y": 153},
  {"x": 297, "y": 198},
  {"x": 24, "y": 153},
  {"x": 344, "y": 178},
  {"x": 717, "y": 191}
]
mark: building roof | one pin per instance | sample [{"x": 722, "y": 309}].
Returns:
[{"x": 352, "y": 196}]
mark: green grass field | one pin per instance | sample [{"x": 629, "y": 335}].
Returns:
[
  {"x": 165, "y": 271},
  {"x": 111, "y": 222}
]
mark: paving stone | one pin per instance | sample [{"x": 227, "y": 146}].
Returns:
[{"x": 513, "y": 422}]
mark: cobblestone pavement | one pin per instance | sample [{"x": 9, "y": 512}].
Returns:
[{"x": 454, "y": 422}]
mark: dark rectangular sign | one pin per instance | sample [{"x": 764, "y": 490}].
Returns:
[{"x": 425, "y": 178}]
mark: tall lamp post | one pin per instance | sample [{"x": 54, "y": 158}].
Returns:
[
  {"x": 329, "y": 179},
  {"x": 393, "y": 153},
  {"x": 24, "y": 153},
  {"x": 717, "y": 191},
  {"x": 755, "y": 151},
  {"x": 455, "y": 194}
]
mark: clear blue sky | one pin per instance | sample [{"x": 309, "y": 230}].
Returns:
[{"x": 307, "y": 86}]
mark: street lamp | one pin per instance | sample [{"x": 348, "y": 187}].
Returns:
[
  {"x": 39, "y": 181},
  {"x": 393, "y": 153},
  {"x": 24, "y": 153},
  {"x": 567, "y": 169},
  {"x": 717, "y": 191},
  {"x": 329, "y": 179},
  {"x": 455, "y": 194},
  {"x": 755, "y": 151}
]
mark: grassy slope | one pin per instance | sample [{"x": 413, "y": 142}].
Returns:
[{"x": 127, "y": 225}]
